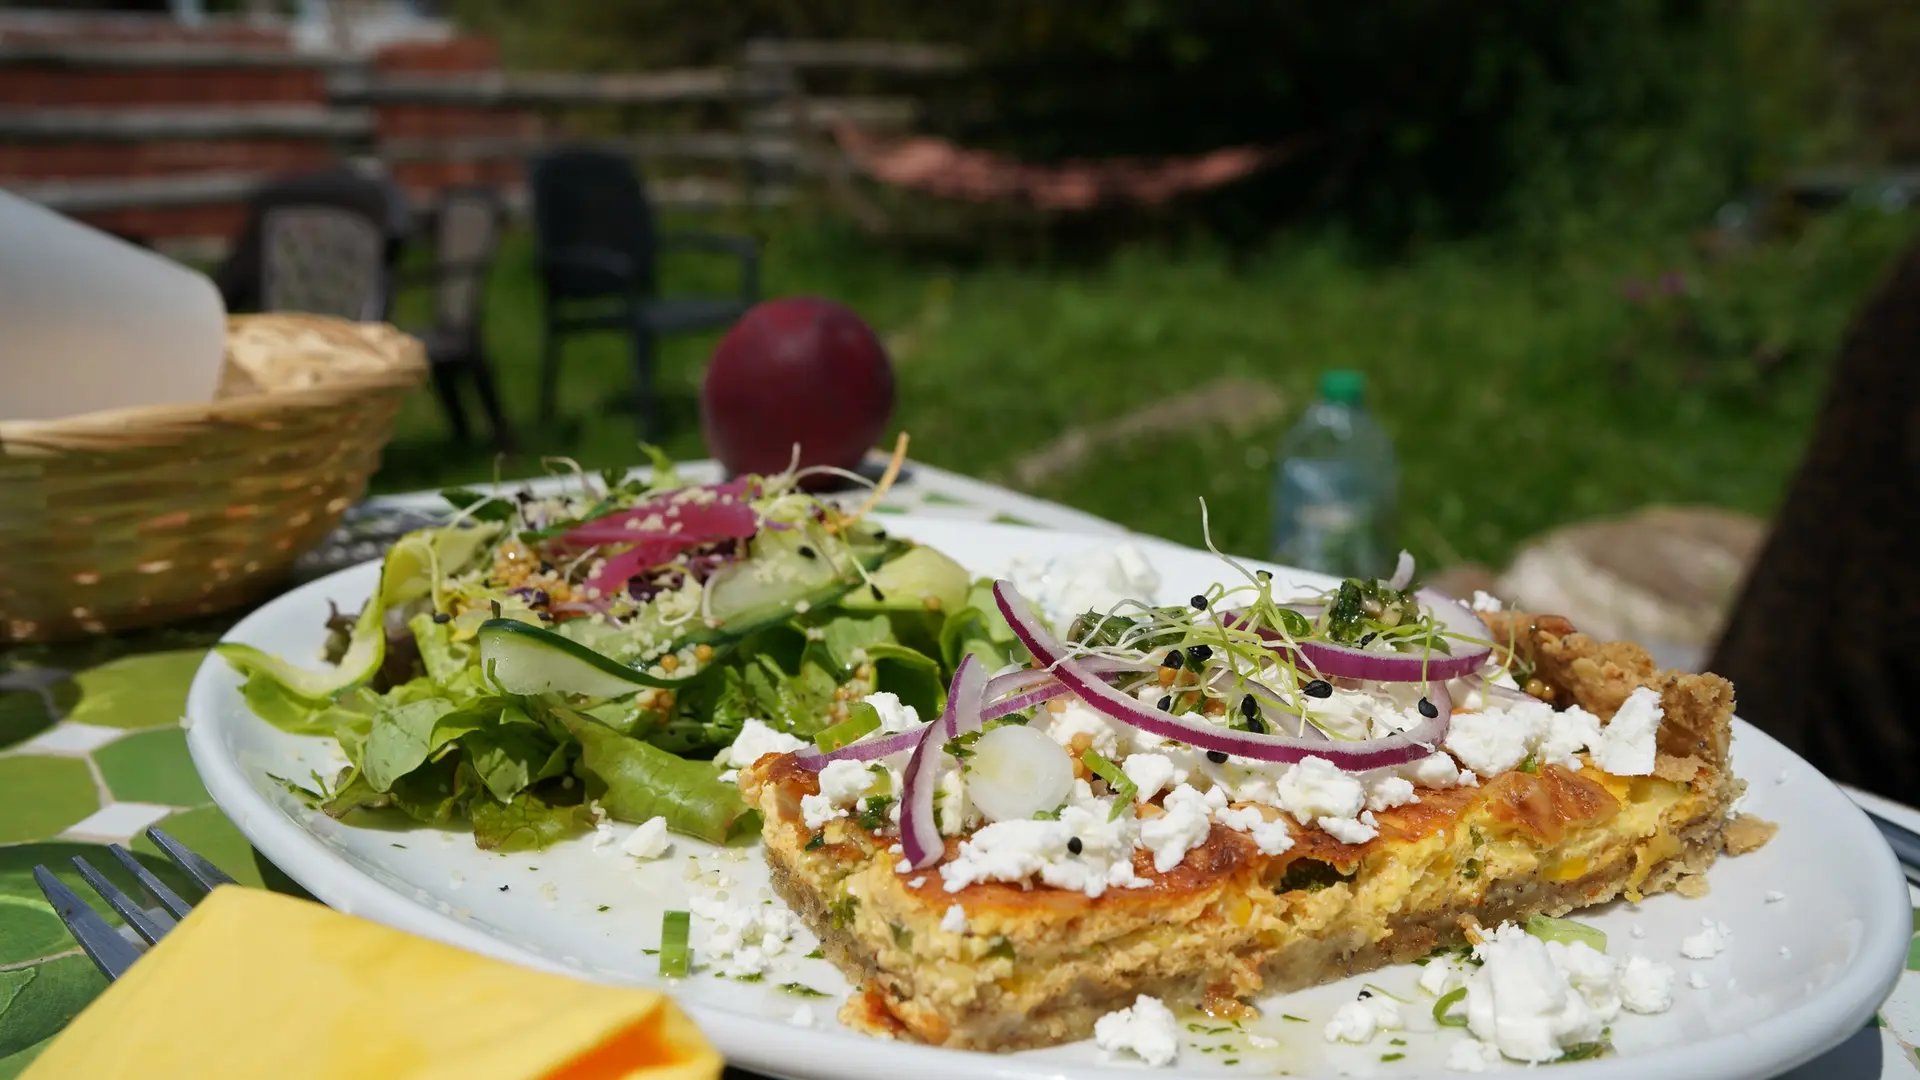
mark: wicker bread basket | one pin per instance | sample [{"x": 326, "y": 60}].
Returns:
[{"x": 132, "y": 517}]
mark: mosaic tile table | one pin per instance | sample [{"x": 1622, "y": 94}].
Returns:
[{"x": 92, "y": 752}]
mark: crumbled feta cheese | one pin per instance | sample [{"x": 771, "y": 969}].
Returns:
[
  {"x": 1637, "y": 930},
  {"x": 729, "y": 776},
  {"x": 1149, "y": 772},
  {"x": 1270, "y": 837},
  {"x": 917, "y": 882},
  {"x": 1079, "y": 718},
  {"x": 1182, "y": 827},
  {"x": 1146, "y": 1029},
  {"x": 1495, "y": 740},
  {"x": 604, "y": 834},
  {"x": 1486, "y": 601},
  {"x": 1520, "y": 1000},
  {"x": 648, "y": 840},
  {"x": 1708, "y": 943},
  {"x": 1568, "y": 731},
  {"x": 1315, "y": 788},
  {"x": 1387, "y": 792},
  {"x": 817, "y": 810},
  {"x": 1774, "y": 896},
  {"x": 1626, "y": 746},
  {"x": 1348, "y": 830},
  {"x": 741, "y": 937},
  {"x": 1261, "y": 1042},
  {"x": 955, "y": 920},
  {"x": 1697, "y": 980},
  {"x": 1437, "y": 771},
  {"x": 1442, "y": 974},
  {"x": 1016, "y": 850},
  {"x": 894, "y": 716},
  {"x": 1645, "y": 987},
  {"x": 755, "y": 741},
  {"x": 1359, "y": 1019},
  {"x": 951, "y": 807},
  {"x": 1786, "y": 953},
  {"x": 802, "y": 1017},
  {"x": 843, "y": 782},
  {"x": 1472, "y": 1055}
]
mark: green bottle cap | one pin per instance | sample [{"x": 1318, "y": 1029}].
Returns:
[{"x": 1343, "y": 386}]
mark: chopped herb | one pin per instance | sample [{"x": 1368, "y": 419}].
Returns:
[
  {"x": 902, "y": 936},
  {"x": 1470, "y": 869},
  {"x": 1396, "y": 1042},
  {"x": 651, "y": 952},
  {"x": 802, "y": 990},
  {"x": 1566, "y": 932},
  {"x": 1446, "y": 1002},
  {"x": 1049, "y": 815},
  {"x": 1292, "y": 1019},
  {"x": 676, "y": 956},
  {"x": 1231, "y": 1061},
  {"x": 1000, "y": 947},
  {"x": 819, "y": 840},
  {"x": 755, "y": 977},
  {"x": 816, "y": 954},
  {"x": 1583, "y": 1051},
  {"x": 1294, "y": 623},
  {"x": 1473, "y": 834},
  {"x": 604, "y": 907},
  {"x": 402, "y": 847},
  {"x": 1396, "y": 1056},
  {"x": 1530, "y": 765},
  {"x": 874, "y": 817},
  {"x": 840, "y": 912},
  {"x": 1122, "y": 786}
]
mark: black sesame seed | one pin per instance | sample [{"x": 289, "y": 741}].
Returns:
[
  {"x": 878, "y": 596},
  {"x": 1256, "y": 725},
  {"x": 1263, "y": 575},
  {"x": 1319, "y": 688},
  {"x": 1074, "y": 845},
  {"x": 442, "y": 617},
  {"x": 807, "y": 552},
  {"x": 1166, "y": 703},
  {"x": 1218, "y": 757},
  {"x": 1367, "y": 638},
  {"x": 546, "y": 567},
  {"x": 1199, "y": 602},
  {"x": 1200, "y": 654},
  {"x": 1249, "y": 707},
  {"x": 1365, "y": 994},
  {"x": 1173, "y": 660},
  {"x": 503, "y": 888},
  {"x": 1428, "y": 709},
  {"x": 546, "y": 616},
  {"x": 879, "y": 534}
]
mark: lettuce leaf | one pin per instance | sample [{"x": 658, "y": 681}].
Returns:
[{"x": 526, "y": 823}]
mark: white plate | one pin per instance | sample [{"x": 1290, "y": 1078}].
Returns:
[{"x": 1800, "y": 975}]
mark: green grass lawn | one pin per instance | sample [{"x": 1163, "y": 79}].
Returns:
[{"x": 1521, "y": 392}]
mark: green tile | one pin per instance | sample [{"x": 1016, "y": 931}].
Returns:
[
  {"x": 43, "y": 796},
  {"x": 207, "y": 831},
  {"x": 25, "y": 933},
  {"x": 151, "y": 767},
  {"x": 39, "y": 1000},
  {"x": 1913, "y": 955},
  {"x": 15, "y": 1064},
  {"x": 23, "y": 714},
  {"x": 143, "y": 691}
]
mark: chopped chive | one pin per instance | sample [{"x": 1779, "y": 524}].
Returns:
[
  {"x": 816, "y": 954},
  {"x": 1289, "y": 1017},
  {"x": 1392, "y": 1057},
  {"x": 802, "y": 990},
  {"x": 755, "y": 977},
  {"x": 1446, "y": 1002},
  {"x": 676, "y": 956},
  {"x": 819, "y": 839},
  {"x": 862, "y": 720},
  {"x": 1123, "y": 786},
  {"x": 1396, "y": 1042},
  {"x": 604, "y": 907}
]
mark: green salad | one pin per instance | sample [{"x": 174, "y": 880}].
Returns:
[{"x": 543, "y": 661}]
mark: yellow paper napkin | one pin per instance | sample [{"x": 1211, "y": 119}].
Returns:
[{"x": 257, "y": 985}]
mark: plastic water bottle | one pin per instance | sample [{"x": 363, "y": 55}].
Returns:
[{"x": 1334, "y": 494}]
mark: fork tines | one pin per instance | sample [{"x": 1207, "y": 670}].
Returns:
[{"x": 110, "y": 951}]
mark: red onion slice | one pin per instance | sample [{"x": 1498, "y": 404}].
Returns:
[
  {"x": 813, "y": 760},
  {"x": 1398, "y": 749},
  {"x": 919, "y": 833},
  {"x": 1455, "y": 621}
]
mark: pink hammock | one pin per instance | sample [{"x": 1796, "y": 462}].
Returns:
[{"x": 938, "y": 167}]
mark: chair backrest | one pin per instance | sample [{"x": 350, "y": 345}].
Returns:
[
  {"x": 323, "y": 260},
  {"x": 322, "y": 241},
  {"x": 466, "y": 235},
  {"x": 592, "y": 200}
]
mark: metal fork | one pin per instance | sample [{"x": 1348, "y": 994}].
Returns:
[{"x": 109, "y": 950}]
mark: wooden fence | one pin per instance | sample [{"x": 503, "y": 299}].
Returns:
[{"x": 166, "y": 139}]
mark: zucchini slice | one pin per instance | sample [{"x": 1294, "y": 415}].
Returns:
[{"x": 524, "y": 659}]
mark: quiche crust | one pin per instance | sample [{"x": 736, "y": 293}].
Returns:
[{"x": 1037, "y": 966}]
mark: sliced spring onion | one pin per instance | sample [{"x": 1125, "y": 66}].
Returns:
[
  {"x": 676, "y": 955},
  {"x": 1566, "y": 932},
  {"x": 862, "y": 720},
  {"x": 1123, "y": 786},
  {"x": 1440, "y": 1014}
]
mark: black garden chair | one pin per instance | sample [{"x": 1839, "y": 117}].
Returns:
[
  {"x": 466, "y": 235},
  {"x": 598, "y": 248},
  {"x": 322, "y": 242}
]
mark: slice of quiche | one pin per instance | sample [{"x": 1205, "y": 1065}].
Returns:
[{"x": 1223, "y": 894}]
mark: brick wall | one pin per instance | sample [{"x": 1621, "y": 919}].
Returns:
[{"x": 468, "y": 54}]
